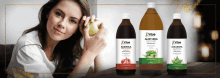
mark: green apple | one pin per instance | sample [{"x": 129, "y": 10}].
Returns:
[{"x": 93, "y": 29}]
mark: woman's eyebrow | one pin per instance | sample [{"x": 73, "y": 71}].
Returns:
[
  {"x": 60, "y": 10},
  {"x": 64, "y": 13},
  {"x": 74, "y": 18}
]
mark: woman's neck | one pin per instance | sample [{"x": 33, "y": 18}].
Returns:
[{"x": 51, "y": 44}]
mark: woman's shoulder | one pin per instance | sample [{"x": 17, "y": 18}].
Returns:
[{"x": 30, "y": 38}]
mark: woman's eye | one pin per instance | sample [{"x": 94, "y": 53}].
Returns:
[
  {"x": 72, "y": 21},
  {"x": 58, "y": 14}
]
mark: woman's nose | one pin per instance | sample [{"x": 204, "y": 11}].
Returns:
[{"x": 61, "y": 24}]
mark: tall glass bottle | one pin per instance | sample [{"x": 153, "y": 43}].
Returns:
[
  {"x": 176, "y": 36},
  {"x": 126, "y": 46},
  {"x": 151, "y": 50}
]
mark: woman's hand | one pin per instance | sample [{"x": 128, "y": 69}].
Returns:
[{"x": 92, "y": 44}]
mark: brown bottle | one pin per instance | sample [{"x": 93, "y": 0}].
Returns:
[
  {"x": 176, "y": 36},
  {"x": 151, "y": 50},
  {"x": 126, "y": 46}
]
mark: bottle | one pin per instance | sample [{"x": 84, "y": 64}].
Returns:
[
  {"x": 126, "y": 46},
  {"x": 151, "y": 50},
  {"x": 176, "y": 40}
]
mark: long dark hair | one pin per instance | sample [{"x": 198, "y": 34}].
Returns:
[{"x": 66, "y": 51}]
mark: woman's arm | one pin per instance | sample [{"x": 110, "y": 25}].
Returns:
[
  {"x": 98, "y": 63},
  {"x": 93, "y": 45},
  {"x": 83, "y": 65},
  {"x": 91, "y": 70}
]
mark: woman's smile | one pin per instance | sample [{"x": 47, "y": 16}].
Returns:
[
  {"x": 58, "y": 31},
  {"x": 63, "y": 20}
]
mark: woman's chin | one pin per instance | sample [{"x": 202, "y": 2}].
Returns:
[{"x": 57, "y": 38}]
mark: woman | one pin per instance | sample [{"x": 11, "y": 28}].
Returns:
[{"x": 53, "y": 46}]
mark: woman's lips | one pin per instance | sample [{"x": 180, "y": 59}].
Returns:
[{"x": 58, "y": 30}]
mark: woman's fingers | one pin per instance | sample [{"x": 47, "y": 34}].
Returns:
[
  {"x": 98, "y": 39},
  {"x": 86, "y": 31},
  {"x": 84, "y": 24},
  {"x": 92, "y": 18},
  {"x": 81, "y": 26},
  {"x": 87, "y": 21},
  {"x": 102, "y": 30}
]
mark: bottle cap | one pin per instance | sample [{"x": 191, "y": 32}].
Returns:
[
  {"x": 151, "y": 5},
  {"x": 125, "y": 16},
  {"x": 176, "y": 16}
]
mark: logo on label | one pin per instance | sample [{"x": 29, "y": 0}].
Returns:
[
  {"x": 176, "y": 42},
  {"x": 150, "y": 34},
  {"x": 125, "y": 61},
  {"x": 125, "y": 42}
]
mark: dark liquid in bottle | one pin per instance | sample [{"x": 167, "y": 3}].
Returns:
[
  {"x": 151, "y": 21},
  {"x": 176, "y": 31},
  {"x": 125, "y": 31}
]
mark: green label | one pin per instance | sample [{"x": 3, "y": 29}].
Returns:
[
  {"x": 150, "y": 60},
  {"x": 177, "y": 66}
]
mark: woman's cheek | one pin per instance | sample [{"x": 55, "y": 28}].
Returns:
[
  {"x": 55, "y": 20},
  {"x": 50, "y": 22},
  {"x": 71, "y": 31}
]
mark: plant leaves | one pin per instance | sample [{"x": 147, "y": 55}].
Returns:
[
  {"x": 181, "y": 61},
  {"x": 177, "y": 61},
  {"x": 154, "y": 56},
  {"x": 151, "y": 54}
]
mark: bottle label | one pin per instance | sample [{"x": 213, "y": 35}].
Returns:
[
  {"x": 151, "y": 47},
  {"x": 177, "y": 54},
  {"x": 125, "y": 54}
]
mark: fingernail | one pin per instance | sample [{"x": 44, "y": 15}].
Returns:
[
  {"x": 93, "y": 16},
  {"x": 84, "y": 17},
  {"x": 85, "y": 24}
]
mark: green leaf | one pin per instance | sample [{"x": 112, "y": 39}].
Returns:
[
  {"x": 181, "y": 61},
  {"x": 154, "y": 56},
  {"x": 151, "y": 53},
  {"x": 148, "y": 54},
  {"x": 177, "y": 61},
  {"x": 177, "y": 58}
]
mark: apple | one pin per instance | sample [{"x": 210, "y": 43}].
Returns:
[{"x": 93, "y": 27}]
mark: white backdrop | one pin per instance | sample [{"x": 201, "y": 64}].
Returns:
[{"x": 18, "y": 18}]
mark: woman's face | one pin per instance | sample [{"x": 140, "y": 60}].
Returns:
[{"x": 63, "y": 20}]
